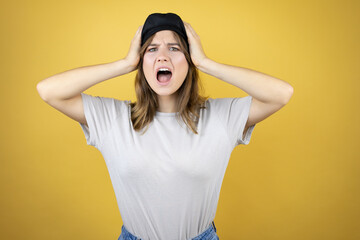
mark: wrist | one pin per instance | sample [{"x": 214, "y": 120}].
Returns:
[
  {"x": 205, "y": 65},
  {"x": 123, "y": 66},
  {"x": 127, "y": 65}
]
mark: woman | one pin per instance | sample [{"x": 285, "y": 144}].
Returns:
[{"x": 167, "y": 153}]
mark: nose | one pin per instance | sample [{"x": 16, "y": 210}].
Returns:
[
  {"x": 162, "y": 55},
  {"x": 162, "y": 59}
]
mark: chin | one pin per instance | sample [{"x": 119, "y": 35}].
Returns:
[{"x": 165, "y": 92}]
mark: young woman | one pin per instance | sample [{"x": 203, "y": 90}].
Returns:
[{"x": 167, "y": 153}]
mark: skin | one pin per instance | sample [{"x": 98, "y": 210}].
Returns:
[
  {"x": 63, "y": 91},
  {"x": 163, "y": 54},
  {"x": 269, "y": 94}
]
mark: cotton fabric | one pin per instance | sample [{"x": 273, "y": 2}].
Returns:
[
  {"x": 208, "y": 234},
  {"x": 167, "y": 181}
]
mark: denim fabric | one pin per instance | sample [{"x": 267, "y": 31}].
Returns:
[{"x": 208, "y": 234}]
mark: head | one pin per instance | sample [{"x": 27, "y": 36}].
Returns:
[
  {"x": 165, "y": 50},
  {"x": 166, "y": 47},
  {"x": 156, "y": 53}
]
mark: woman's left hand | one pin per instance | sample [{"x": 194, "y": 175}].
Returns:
[{"x": 196, "y": 51}]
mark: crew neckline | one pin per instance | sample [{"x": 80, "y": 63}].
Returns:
[{"x": 165, "y": 114}]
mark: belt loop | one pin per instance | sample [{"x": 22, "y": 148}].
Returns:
[{"x": 214, "y": 225}]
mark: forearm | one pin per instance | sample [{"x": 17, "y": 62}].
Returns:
[
  {"x": 263, "y": 87},
  {"x": 70, "y": 83}
]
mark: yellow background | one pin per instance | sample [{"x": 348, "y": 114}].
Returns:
[{"x": 297, "y": 179}]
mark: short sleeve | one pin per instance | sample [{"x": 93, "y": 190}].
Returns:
[
  {"x": 100, "y": 112},
  {"x": 233, "y": 114}
]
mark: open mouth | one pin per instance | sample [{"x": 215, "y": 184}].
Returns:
[{"x": 163, "y": 75}]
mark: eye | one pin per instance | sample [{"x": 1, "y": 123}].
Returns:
[
  {"x": 151, "y": 49},
  {"x": 174, "y": 49}
]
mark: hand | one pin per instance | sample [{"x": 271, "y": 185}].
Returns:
[
  {"x": 133, "y": 56},
  {"x": 196, "y": 51}
]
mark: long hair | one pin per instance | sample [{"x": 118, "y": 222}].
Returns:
[{"x": 188, "y": 102}]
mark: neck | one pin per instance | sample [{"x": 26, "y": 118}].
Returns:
[{"x": 167, "y": 103}]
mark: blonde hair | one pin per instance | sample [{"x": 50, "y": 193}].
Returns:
[{"x": 188, "y": 103}]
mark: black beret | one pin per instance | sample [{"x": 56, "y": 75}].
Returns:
[{"x": 163, "y": 21}]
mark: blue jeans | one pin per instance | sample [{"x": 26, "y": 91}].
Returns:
[{"x": 208, "y": 234}]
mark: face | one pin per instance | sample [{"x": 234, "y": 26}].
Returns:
[{"x": 164, "y": 52}]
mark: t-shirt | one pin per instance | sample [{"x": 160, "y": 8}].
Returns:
[{"x": 167, "y": 181}]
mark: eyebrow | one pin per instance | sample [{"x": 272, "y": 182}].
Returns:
[{"x": 169, "y": 44}]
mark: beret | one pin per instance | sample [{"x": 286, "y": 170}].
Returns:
[{"x": 156, "y": 22}]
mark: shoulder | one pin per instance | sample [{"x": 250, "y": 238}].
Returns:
[
  {"x": 105, "y": 100},
  {"x": 229, "y": 101},
  {"x": 105, "y": 103}
]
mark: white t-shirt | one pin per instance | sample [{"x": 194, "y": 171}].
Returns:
[{"x": 167, "y": 182}]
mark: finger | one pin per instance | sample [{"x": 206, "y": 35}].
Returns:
[
  {"x": 139, "y": 28},
  {"x": 188, "y": 30},
  {"x": 186, "y": 25},
  {"x": 191, "y": 30}
]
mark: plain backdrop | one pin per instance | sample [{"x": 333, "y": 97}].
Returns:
[{"x": 297, "y": 179}]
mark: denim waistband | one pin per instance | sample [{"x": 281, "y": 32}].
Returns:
[{"x": 208, "y": 234}]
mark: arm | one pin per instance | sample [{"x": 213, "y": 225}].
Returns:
[
  {"x": 269, "y": 93},
  {"x": 63, "y": 90},
  {"x": 71, "y": 83}
]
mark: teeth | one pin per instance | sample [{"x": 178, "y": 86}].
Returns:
[{"x": 164, "y": 69}]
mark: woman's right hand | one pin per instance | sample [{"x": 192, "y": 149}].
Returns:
[{"x": 133, "y": 56}]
